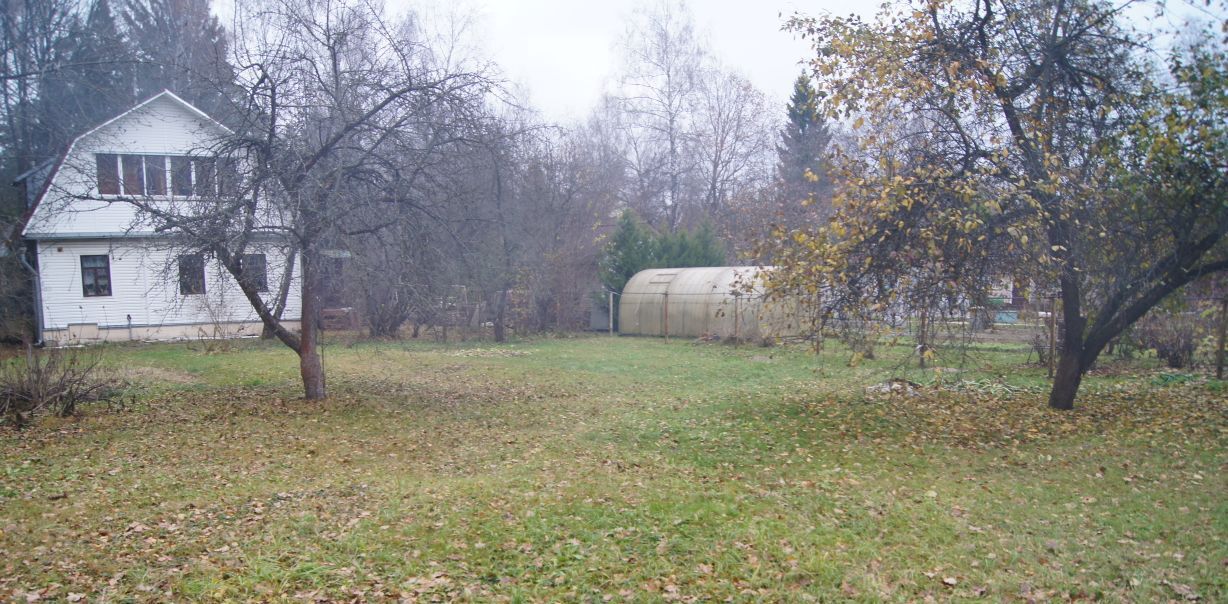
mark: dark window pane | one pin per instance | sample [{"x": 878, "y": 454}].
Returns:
[
  {"x": 95, "y": 276},
  {"x": 205, "y": 167},
  {"x": 155, "y": 174},
  {"x": 108, "y": 173},
  {"x": 181, "y": 175},
  {"x": 134, "y": 175},
  {"x": 228, "y": 176},
  {"x": 254, "y": 270},
  {"x": 191, "y": 274}
]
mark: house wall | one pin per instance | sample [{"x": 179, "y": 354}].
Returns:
[
  {"x": 72, "y": 219},
  {"x": 72, "y": 205},
  {"x": 145, "y": 302}
]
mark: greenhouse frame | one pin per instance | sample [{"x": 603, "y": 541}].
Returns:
[{"x": 717, "y": 302}]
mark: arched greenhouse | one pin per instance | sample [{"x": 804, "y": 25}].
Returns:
[{"x": 721, "y": 302}]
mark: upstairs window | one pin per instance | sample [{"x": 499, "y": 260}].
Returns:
[
  {"x": 182, "y": 176},
  {"x": 204, "y": 170},
  {"x": 155, "y": 174},
  {"x": 253, "y": 269},
  {"x": 134, "y": 174},
  {"x": 191, "y": 274},
  {"x": 108, "y": 173},
  {"x": 228, "y": 177},
  {"x": 95, "y": 276}
]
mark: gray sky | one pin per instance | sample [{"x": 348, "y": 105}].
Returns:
[
  {"x": 563, "y": 52},
  {"x": 559, "y": 55}
]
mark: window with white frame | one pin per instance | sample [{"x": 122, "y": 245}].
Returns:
[{"x": 159, "y": 175}]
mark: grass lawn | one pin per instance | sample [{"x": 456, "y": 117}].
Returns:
[{"x": 616, "y": 469}]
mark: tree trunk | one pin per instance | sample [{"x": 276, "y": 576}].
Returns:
[
  {"x": 500, "y": 311},
  {"x": 1066, "y": 381},
  {"x": 310, "y": 365},
  {"x": 283, "y": 294},
  {"x": 1072, "y": 362}
]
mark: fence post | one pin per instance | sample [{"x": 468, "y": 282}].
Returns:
[
  {"x": 611, "y": 313},
  {"x": 1223, "y": 327},
  {"x": 1052, "y": 334},
  {"x": 736, "y": 298},
  {"x": 665, "y": 306}
]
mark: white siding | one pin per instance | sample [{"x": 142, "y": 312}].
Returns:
[
  {"x": 145, "y": 287},
  {"x": 71, "y": 205},
  {"x": 72, "y": 220}
]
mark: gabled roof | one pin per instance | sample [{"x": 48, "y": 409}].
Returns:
[
  {"x": 59, "y": 160},
  {"x": 164, "y": 94}
]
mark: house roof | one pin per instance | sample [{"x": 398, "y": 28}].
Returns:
[{"x": 59, "y": 160}]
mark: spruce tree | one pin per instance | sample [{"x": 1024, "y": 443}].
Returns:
[
  {"x": 631, "y": 250},
  {"x": 181, "y": 47},
  {"x": 100, "y": 85},
  {"x": 803, "y": 178},
  {"x": 635, "y": 247}
]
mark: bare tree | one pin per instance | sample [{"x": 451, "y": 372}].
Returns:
[
  {"x": 733, "y": 139},
  {"x": 331, "y": 89},
  {"x": 660, "y": 90}
]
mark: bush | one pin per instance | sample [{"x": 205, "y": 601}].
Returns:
[
  {"x": 1173, "y": 335},
  {"x": 52, "y": 381}
]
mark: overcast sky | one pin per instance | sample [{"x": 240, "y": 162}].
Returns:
[
  {"x": 563, "y": 52},
  {"x": 559, "y": 55}
]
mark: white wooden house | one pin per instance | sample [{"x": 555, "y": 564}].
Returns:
[{"x": 102, "y": 273}]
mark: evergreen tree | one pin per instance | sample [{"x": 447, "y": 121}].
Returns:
[
  {"x": 635, "y": 247},
  {"x": 98, "y": 85},
  {"x": 801, "y": 170},
  {"x": 632, "y": 249},
  {"x": 181, "y": 47},
  {"x": 706, "y": 249}
]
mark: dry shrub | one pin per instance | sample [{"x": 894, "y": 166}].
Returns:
[
  {"x": 1173, "y": 335},
  {"x": 54, "y": 381}
]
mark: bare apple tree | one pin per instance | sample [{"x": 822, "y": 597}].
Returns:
[{"x": 342, "y": 108}]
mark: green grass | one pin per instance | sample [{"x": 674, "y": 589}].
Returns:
[{"x": 624, "y": 469}]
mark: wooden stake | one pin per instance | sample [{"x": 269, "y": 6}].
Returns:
[
  {"x": 611, "y": 313},
  {"x": 1223, "y": 327},
  {"x": 666, "y": 310},
  {"x": 735, "y": 319},
  {"x": 1052, "y": 334}
]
